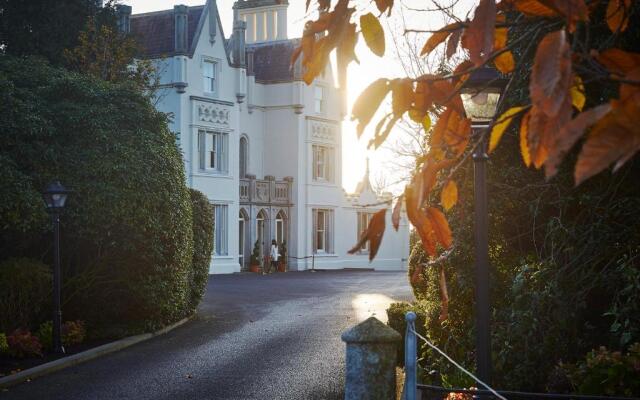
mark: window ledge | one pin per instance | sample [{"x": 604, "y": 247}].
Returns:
[
  {"x": 223, "y": 257},
  {"x": 325, "y": 255},
  {"x": 212, "y": 175}
]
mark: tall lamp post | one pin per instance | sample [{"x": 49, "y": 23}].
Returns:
[
  {"x": 480, "y": 97},
  {"x": 55, "y": 197}
]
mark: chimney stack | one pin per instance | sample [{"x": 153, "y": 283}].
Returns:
[
  {"x": 123, "y": 13},
  {"x": 239, "y": 48},
  {"x": 181, "y": 25}
]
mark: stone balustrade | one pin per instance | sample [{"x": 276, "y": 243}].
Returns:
[{"x": 265, "y": 191}]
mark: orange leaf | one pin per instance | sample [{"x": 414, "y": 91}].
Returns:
[
  {"x": 438, "y": 37},
  {"x": 444, "y": 296},
  {"x": 504, "y": 62},
  {"x": 368, "y": 102},
  {"x": 618, "y": 13},
  {"x": 524, "y": 140},
  {"x": 420, "y": 221},
  {"x": 373, "y": 234},
  {"x": 449, "y": 195},
  {"x": 478, "y": 37},
  {"x": 532, "y": 8},
  {"x": 402, "y": 95},
  {"x": 318, "y": 61},
  {"x": 373, "y": 34},
  {"x": 569, "y": 135},
  {"x": 452, "y": 43},
  {"x": 440, "y": 227},
  {"x": 501, "y": 126},
  {"x": 542, "y": 129},
  {"x": 551, "y": 73}
]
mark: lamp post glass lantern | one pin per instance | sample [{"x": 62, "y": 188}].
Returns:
[
  {"x": 55, "y": 198},
  {"x": 480, "y": 97}
]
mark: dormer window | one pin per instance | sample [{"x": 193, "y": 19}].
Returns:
[{"x": 209, "y": 72}]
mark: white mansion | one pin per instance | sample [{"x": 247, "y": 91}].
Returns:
[{"x": 264, "y": 147}]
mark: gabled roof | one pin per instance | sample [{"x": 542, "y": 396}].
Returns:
[
  {"x": 155, "y": 31},
  {"x": 272, "y": 60}
]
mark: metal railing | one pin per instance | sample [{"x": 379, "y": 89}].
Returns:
[{"x": 412, "y": 388}]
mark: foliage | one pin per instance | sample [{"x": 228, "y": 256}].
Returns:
[
  {"x": 126, "y": 230},
  {"x": 4, "y": 346},
  {"x": 606, "y": 373},
  {"x": 255, "y": 253},
  {"x": 73, "y": 332},
  {"x": 25, "y": 293},
  {"x": 283, "y": 251},
  {"x": 552, "y": 115},
  {"x": 202, "y": 247},
  {"x": 45, "y": 335},
  {"x": 42, "y": 27},
  {"x": 108, "y": 54},
  {"x": 396, "y": 320},
  {"x": 23, "y": 344}
]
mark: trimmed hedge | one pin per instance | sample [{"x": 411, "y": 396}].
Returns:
[
  {"x": 202, "y": 248},
  {"x": 127, "y": 228},
  {"x": 396, "y": 320}
]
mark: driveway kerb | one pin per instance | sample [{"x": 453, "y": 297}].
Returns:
[{"x": 90, "y": 354}]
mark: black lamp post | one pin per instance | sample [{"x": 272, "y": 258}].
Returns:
[
  {"x": 55, "y": 197},
  {"x": 480, "y": 96}
]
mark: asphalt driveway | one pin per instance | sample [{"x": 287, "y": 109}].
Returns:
[{"x": 256, "y": 337}]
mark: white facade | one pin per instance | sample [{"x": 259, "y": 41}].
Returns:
[{"x": 264, "y": 148}]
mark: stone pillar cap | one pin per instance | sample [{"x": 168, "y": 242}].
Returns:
[{"x": 372, "y": 330}]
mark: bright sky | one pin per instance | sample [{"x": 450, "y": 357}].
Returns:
[{"x": 359, "y": 76}]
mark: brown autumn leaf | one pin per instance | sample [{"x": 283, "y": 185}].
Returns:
[
  {"x": 618, "y": 12},
  {"x": 551, "y": 73},
  {"x": 478, "y": 37},
  {"x": 395, "y": 216},
  {"x": 368, "y": 102},
  {"x": 384, "y": 5},
  {"x": 373, "y": 234},
  {"x": 439, "y": 37},
  {"x": 449, "y": 195},
  {"x": 346, "y": 52},
  {"x": 452, "y": 43},
  {"x": 402, "y": 95},
  {"x": 569, "y": 135},
  {"x": 373, "y": 34},
  {"x": 618, "y": 61},
  {"x": 381, "y": 135},
  {"x": 422, "y": 99},
  {"x": 542, "y": 129},
  {"x": 457, "y": 133},
  {"x": 614, "y": 138},
  {"x": 320, "y": 58},
  {"x": 440, "y": 227}
]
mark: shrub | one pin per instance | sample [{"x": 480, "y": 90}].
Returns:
[
  {"x": 127, "y": 228},
  {"x": 255, "y": 254},
  {"x": 202, "y": 248},
  {"x": 23, "y": 344},
  {"x": 45, "y": 335},
  {"x": 4, "y": 346},
  {"x": 605, "y": 373},
  {"x": 25, "y": 293},
  {"x": 73, "y": 332},
  {"x": 396, "y": 320}
]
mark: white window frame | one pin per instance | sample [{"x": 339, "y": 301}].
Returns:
[
  {"x": 213, "y": 152},
  {"x": 322, "y": 163},
  {"x": 319, "y": 102},
  {"x": 323, "y": 230},
  {"x": 210, "y": 83},
  {"x": 364, "y": 219},
  {"x": 221, "y": 229}
]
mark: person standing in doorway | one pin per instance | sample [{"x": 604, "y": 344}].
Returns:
[{"x": 274, "y": 255}]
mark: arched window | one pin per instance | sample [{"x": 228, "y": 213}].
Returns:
[
  {"x": 244, "y": 156},
  {"x": 281, "y": 232},
  {"x": 261, "y": 231},
  {"x": 243, "y": 231}
]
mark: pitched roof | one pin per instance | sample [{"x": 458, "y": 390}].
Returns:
[
  {"x": 272, "y": 60},
  {"x": 155, "y": 31}
]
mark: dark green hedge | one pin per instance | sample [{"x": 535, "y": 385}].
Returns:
[
  {"x": 396, "y": 320},
  {"x": 127, "y": 233},
  {"x": 202, "y": 247}
]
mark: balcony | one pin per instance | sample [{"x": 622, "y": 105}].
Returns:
[{"x": 265, "y": 191}]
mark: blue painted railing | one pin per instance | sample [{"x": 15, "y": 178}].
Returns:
[{"x": 410, "y": 358}]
